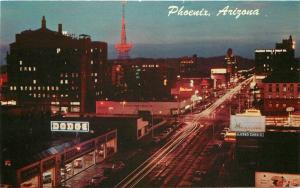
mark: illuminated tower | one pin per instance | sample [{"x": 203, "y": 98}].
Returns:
[
  {"x": 230, "y": 62},
  {"x": 123, "y": 47}
]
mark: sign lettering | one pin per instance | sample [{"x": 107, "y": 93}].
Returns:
[{"x": 69, "y": 126}]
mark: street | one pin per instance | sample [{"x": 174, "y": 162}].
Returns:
[{"x": 175, "y": 161}]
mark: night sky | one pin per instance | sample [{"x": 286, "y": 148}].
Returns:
[{"x": 153, "y": 32}]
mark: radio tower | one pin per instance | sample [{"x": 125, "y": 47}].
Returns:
[{"x": 123, "y": 47}]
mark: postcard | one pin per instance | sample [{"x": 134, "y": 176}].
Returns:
[{"x": 150, "y": 94}]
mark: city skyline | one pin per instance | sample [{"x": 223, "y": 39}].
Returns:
[{"x": 153, "y": 32}]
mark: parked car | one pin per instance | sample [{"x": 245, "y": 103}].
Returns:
[
  {"x": 115, "y": 167},
  {"x": 199, "y": 176},
  {"x": 156, "y": 140},
  {"x": 96, "y": 180}
]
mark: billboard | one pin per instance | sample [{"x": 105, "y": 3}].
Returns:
[
  {"x": 269, "y": 179},
  {"x": 69, "y": 126},
  {"x": 245, "y": 123}
]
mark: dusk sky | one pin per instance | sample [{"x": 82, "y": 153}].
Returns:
[{"x": 153, "y": 32}]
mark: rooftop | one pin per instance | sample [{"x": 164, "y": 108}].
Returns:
[{"x": 283, "y": 77}]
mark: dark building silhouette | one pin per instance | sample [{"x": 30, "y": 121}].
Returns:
[
  {"x": 52, "y": 70},
  {"x": 282, "y": 58}
]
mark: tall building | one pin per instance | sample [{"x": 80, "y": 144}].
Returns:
[
  {"x": 230, "y": 63},
  {"x": 52, "y": 70},
  {"x": 135, "y": 79},
  {"x": 123, "y": 47},
  {"x": 188, "y": 66},
  {"x": 278, "y": 59}
]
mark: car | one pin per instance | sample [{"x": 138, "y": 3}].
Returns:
[
  {"x": 113, "y": 168},
  {"x": 156, "y": 140},
  {"x": 96, "y": 180},
  {"x": 118, "y": 165},
  {"x": 200, "y": 173}
]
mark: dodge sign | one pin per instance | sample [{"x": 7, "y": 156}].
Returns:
[{"x": 69, "y": 126}]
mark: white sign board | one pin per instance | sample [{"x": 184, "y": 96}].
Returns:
[
  {"x": 268, "y": 179},
  {"x": 244, "y": 123},
  {"x": 218, "y": 71},
  {"x": 69, "y": 126}
]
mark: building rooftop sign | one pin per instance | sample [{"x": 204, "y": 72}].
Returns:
[
  {"x": 219, "y": 71},
  {"x": 69, "y": 126}
]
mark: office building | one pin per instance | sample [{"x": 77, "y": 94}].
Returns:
[{"x": 51, "y": 70}]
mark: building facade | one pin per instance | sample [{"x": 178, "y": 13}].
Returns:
[
  {"x": 53, "y": 70},
  {"x": 278, "y": 59},
  {"x": 59, "y": 163},
  {"x": 188, "y": 66},
  {"x": 281, "y": 91}
]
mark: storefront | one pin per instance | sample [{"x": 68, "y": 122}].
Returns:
[
  {"x": 86, "y": 154},
  {"x": 53, "y": 170}
]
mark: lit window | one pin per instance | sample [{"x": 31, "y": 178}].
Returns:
[
  {"x": 52, "y": 88},
  {"x": 96, "y": 80},
  {"x": 92, "y": 62},
  {"x": 66, "y": 95},
  {"x": 61, "y": 81},
  {"x": 61, "y": 95},
  {"x": 30, "y": 88},
  {"x": 34, "y": 95},
  {"x": 34, "y": 88},
  {"x": 66, "y": 75},
  {"x": 33, "y": 68},
  {"x": 66, "y": 81},
  {"x": 91, "y": 50},
  {"x": 39, "y": 95},
  {"x": 48, "y": 88},
  {"x": 58, "y": 50},
  {"x": 39, "y": 88},
  {"x": 277, "y": 105},
  {"x": 21, "y": 87},
  {"x": 95, "y": 74},
  {"x": 25, "y": 88},
  {"x": 29, "y": 68},
  {"x": 11, "y": 88},
  {"x": 15, "y": 87},
  {"x": 21, "y": 68},
  {"x": 25, "y": 68},
  {"x": 56, "y": 88},
  {"x": 20, "y": 62},
  {"x": 34, "y": 81}
]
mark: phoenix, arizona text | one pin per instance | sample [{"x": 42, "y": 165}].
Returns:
[{"x": 226, "y": 11}]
